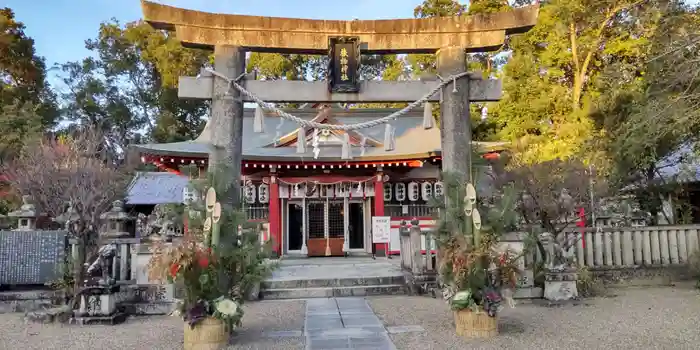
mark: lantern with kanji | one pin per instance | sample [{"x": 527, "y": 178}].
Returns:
[
  {"x": 264, "y": 193},
  {"x": 439, "y": 189},
  {"x": 413, "y": 191},
  {"x": 400, "y": 191},
  {"x": 426, "y": 190},
  {"x": 249, "y": 193},
  {"x": 387, "y": 192}
]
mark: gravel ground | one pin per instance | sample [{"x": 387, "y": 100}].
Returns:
[
  {"x": 153, "y": 333},
  {"x": 649, "y": 318}
]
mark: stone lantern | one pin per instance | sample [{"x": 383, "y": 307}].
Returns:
[
  {"x": 26, "y": 215},
  {"x": 117, "y": 222}
]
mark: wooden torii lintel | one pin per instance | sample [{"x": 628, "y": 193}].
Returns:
[
  {"x": 290, "y": 91},
  {"x": 476, "y": 33}
]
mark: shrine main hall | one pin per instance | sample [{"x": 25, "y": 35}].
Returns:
[{"x": 307, "y": 201}]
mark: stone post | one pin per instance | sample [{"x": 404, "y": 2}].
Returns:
[
  {"x": 227, "y": 122},
  {"x": 416, "y": 239},
  {"x": 455, "y": 123}
]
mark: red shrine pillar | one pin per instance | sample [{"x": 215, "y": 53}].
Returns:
[
  {"x": 274, "y": 216},
  {"x": 380, "y": 248}
]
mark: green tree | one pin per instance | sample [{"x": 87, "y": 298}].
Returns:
[
  {"x": 550, "y": 80},
  {"x": 130, "y": 88},
  {"x": 27, "y": 104},
  {"x": 483, "y": 129},
  {"x": 648, "y": 119}
]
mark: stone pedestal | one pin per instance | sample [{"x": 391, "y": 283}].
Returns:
[
  {"x": 525, "y": 287},
  {"x": 147, "y": 297},
  {"x": 98, "y": 305},
  {"x": 560, "y": 285}
]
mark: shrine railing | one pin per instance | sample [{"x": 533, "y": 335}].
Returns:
[
  {"x": 597, "y": 248},
  {"x": 417, "y": 253},
  {"x": 612, "y": 247},
  {"x": 257, "y": 212}
]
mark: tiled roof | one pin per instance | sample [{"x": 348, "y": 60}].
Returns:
[
  {"x": 681, "y": 166},
  {"x": 411, "y": 138},
  {"x": 156, "y": 188}
]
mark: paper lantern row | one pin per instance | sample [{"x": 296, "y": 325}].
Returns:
[
  {"x": 314, "y": 190},
  {"x": 414, "y": 191},
  {"x": 263, "y": 193}
]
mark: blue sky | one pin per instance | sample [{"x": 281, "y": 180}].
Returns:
[{"x": 60, "y": 27}]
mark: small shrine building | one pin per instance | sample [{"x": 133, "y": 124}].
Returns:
[{"x": 318, "y": 195}]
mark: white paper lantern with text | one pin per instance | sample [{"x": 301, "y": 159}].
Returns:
[
  {"x": 263, "y": 193},
  {"x": 439, "y": 189},
  {"x": 413, "y": 191},
  {"x": 426, "y": 191},
  {"x": 400, "y": 191},
  {"x": 249, "y": 193},
  {"x": 387, "y": 192}
]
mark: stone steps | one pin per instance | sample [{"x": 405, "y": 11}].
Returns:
[
  {"x": 332, "y": 282},
  {"x": 336, "y": 291}
]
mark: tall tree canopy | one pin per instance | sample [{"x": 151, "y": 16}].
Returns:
[
  {"x": 647, "y": 121},
  {"x": 550, "y": 80},
  {"x": 27, "y": 105},
  {"x": 129, "y": 89}
]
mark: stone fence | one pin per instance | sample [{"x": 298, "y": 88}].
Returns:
[
  {"x": 635, "y": 246},
  {"x": 623, "y": 250}
]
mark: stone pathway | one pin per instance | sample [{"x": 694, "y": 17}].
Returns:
[{"x": 344, "y": 323}]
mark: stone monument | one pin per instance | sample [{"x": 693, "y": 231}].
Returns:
[
  {"x": 97, "y": 302},
  {"x": 560, "y": 273},
  {"x": 118, "y": 224},
  {"x": 26, "y": 215}
]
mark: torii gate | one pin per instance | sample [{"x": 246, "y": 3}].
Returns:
[{"x": 230, "y": 36}]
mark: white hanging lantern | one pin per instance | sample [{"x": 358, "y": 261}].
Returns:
[
  {"x": 400, "y": 191},
  {"x": 387, "y": 192},
  {"x": 426, "y": 191},
  {"x": 439, "y": 189},
  {"x": 359, "y": 190},
  {"x": 264, "y": 193},
  {"x": 249, "y": 193},
  {"x": 297, "y": 190},
  {"x": 413, "y": 191}
]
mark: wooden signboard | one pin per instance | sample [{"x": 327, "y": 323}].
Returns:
[
  {"x": 344, "y": 64},
  {"x": 381, "y": 229}
]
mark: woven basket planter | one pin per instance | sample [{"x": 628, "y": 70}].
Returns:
[
  {"x": 470, "y": 324},
  {"x": 209, "y": 334}
]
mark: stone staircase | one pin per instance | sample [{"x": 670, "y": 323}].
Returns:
[{"x": 334, "y": 277}]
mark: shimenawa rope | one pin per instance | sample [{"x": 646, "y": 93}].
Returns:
[{"x": 364, "y": 125}]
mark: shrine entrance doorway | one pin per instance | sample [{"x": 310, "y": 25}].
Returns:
[
  {"x": 320, "y": 226},
  {"x": 356, "y": 226},
  {"x": 295, "y": 227}
]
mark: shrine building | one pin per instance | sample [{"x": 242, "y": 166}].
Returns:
[{"x": 312, "y": 193}]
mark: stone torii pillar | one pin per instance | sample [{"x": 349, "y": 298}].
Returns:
[
  {"x": 227, "y": 122},
  {"x": 455, "y": 121}
]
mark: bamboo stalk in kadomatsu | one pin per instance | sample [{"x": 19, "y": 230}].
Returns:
[
  {"x": 216, "y": 225},
  {"x": 209, "y": 203}
]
